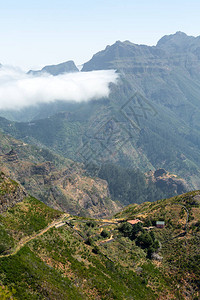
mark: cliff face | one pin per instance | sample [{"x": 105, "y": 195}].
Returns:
[
  {"x": 165, "y": 181},
  {"x": 58, "y": 182},
  {"x": 10, "y": 193}
]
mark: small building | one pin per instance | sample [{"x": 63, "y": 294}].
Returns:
[
  {"x": 160, "y": 224},
  {"x": 133, "y": 222}
]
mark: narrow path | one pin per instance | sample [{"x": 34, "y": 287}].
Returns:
[
  {"x": 55, "y": 223},
  {"x": 108, "y": 240},
  {"x": 27, "y": 239}
]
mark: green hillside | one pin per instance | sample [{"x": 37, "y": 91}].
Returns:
[
  {"x": 49, "y": 255},
  {"x": 41, "y": 261}
]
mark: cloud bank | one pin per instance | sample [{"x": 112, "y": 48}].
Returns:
[{"x": 19, "y": 90}]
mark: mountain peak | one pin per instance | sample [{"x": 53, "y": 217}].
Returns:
[
  {"x": 66, "y": 67},
  {"x": 180, "y": 33},
  {"x": 176, "y": 41}
]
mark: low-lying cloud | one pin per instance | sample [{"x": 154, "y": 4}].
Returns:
[{"x": 19, "y": 90}]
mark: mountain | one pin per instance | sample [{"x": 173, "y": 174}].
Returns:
[
  {"x": 151, "y": 119},
  {"x": 132, "y": 186},
  {"x": 58, "y": 182},
  {"x": 179, "y": 43},
  {"x": 171, "y": 52},
  {"x": 66, "y": 67},
  {"x": 127, "y": 57},
  {"x": 125, "y": 185},
  {"x": 46, "y": 254}
]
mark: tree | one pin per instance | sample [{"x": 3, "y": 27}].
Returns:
[
  {"x": 136, "y": 229},
  {"x": 144, "y": 240},
  {"x": 126, "y": 229}
]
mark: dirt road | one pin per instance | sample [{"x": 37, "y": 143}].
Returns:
[{"x": 27, "y": 239}]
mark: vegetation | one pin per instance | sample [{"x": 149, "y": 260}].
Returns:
[
  {"x": 142, "y": 239},
  {"x": 101, "y": 259}
]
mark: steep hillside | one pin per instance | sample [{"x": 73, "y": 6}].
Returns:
[
  {"x": 10, "y": 193},
  {"x": 69, "y": 188},
  {"x": 39, "y": 259},
  {"x": 132, "y": 186},
  {"x": 179, "y": 241},
  {"x": 46, "y": 254},
  {"x": 22, "y": 216},
  {"x": 58, "y": 182}
]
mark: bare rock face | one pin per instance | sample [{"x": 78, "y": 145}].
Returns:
[
  {"x": 58, "y": 182},
  {"x": 157, "y": 257},
  {"x": 160, "y": 172},
  {"x": 10, "y": 193},
  {"x": 165, "y": 181},
  {"x": 11, "y": 156}
]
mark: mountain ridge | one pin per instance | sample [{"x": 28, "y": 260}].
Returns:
[{"x": 55, "y": 70}]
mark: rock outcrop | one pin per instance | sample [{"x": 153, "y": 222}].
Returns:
[
  {"x": 11, "y": 193},
  {"x": 165, "y": 180}
]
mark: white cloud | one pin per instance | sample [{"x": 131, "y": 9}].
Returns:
[{"x": 18, "y": 90}]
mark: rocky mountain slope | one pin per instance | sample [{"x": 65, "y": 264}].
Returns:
[
  {"x": 166, "y": 181},
  {"x": 66, "y": 185},
  {"x": 56, "y": 181},
  {"x": 10, "y": 193}
]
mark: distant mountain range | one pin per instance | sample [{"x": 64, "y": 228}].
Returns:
[{"x": 151, "y": 119}]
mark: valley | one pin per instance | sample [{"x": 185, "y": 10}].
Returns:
[{"x": 100, "y": 197}]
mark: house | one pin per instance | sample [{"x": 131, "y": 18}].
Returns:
[
  {"x": 160, "y": 224},
  {"x": 133, "y": 222}
]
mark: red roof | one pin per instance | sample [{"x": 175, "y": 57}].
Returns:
[{"x": 133, "y": 222}]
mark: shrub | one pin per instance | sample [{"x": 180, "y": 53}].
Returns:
[
  {"x": 96, "y": 250},
  {"x": 150, "y": 252},
  {"x": 105, "y": 233},
  {"x": 89, "y": 242},
  {"x": 91, "y": 224},
  {"x": 2, "y": 248}
]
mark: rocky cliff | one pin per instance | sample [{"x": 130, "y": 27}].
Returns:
[
  {"x": 58, "y": 182},
  {"x": 10, "y": 193}
]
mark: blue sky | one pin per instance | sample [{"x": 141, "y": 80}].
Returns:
[{"x": 37, "y": 33}]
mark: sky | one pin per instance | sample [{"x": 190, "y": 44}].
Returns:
[{"x": 37, "y": 33}]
